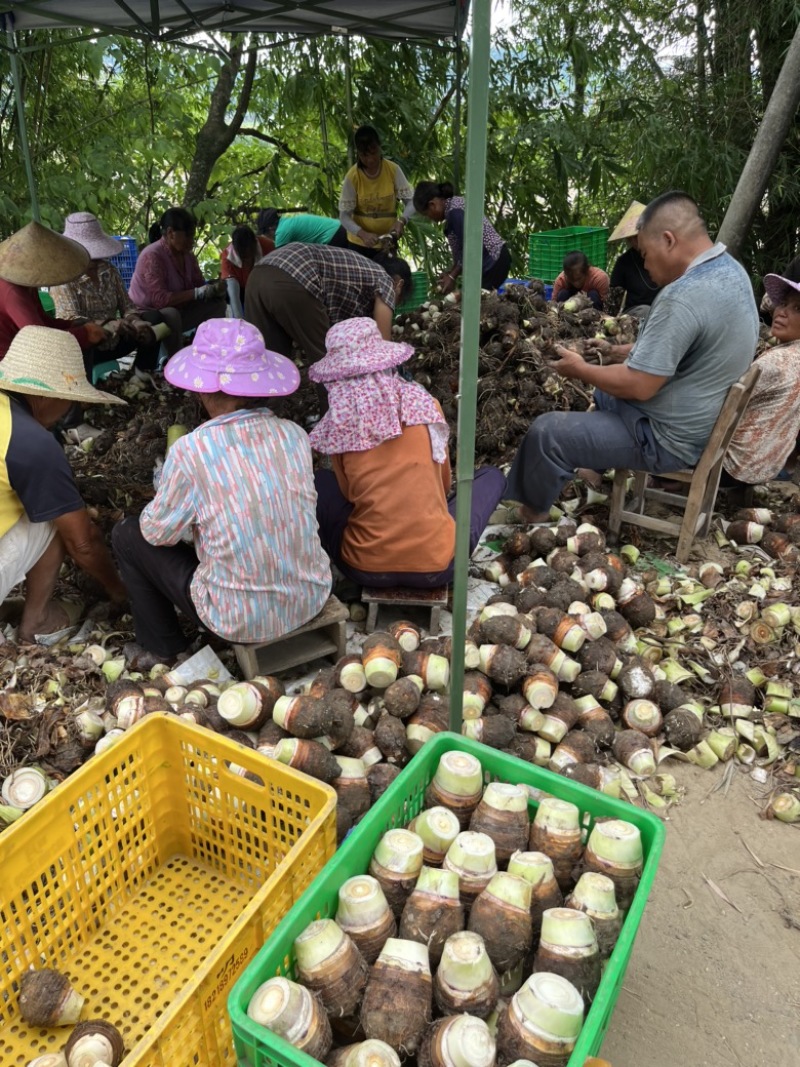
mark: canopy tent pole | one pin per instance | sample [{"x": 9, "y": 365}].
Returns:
[
  {"x": 348, "y": 98},
  {"x": 457, "y": 115},
  {"x": 16, "y": 79},
  {"x": 470, "y": 332}
]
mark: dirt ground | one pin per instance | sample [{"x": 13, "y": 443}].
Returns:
[{"x": 711, "y": 985}]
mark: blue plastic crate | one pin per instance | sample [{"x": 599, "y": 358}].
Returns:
[{"x": 125, "y": 261}]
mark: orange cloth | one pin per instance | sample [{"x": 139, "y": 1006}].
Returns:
[
  {"x": 241, "y": 274},
  {"x": 595, "y": 279},
  {"x": 400, "y": 521}
]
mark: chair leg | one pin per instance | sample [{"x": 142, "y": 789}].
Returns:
[
  {"x": 694, "y": 505},
  {"x": 617, "y": 503},
  {"x": 372, "y": 617}
]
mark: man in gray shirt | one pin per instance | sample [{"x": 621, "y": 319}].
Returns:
[{"x": 656, "y": 407}]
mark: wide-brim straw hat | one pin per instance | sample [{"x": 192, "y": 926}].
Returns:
[
  {"x": 355, "y": 347},
  {"x": 36, "y": 256},
  {"x": 85, "y": 228},
  {"x": 228, "y": 356},
  {"x": 778, "y": 288},
  {"x": 45, "y": 362},
  {"x": 626, "y": 227}
]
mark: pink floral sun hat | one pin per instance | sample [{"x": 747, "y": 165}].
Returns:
[
  {"x": 228, "y": 356},
  {"x": 355, "y": 347}
]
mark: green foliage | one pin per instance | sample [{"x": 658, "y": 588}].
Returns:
[{"x": 590, "y": 107}]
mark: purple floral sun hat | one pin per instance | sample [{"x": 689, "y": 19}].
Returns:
[
  {"x": 228, "y": 356},
  {"x": 355, "y": 347},
  {"x": 779, "y": 288}
]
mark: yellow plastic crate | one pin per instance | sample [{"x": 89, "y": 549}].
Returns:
[{"x": 151, "y": 877}]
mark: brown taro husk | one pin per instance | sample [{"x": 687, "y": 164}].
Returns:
[
  {"x": 341, "y": 706},
  {"x": 597, "y": 655},
  {"x": 323, "y": 683},
  {"x": 668, "y": 695},
  {"x": 396, "y": 887},
  {"x": 541, "y": 650},
  {"x": 543, "y": 540},
  {"x": 380, "y": 776},
  {"x": 502, "y": 630},
  {"x": 517, "y": 1043},
  {"x": 353, "y": 794},
  {"x": 639, "y": 609},
  {"x": 682, "y": 729},
  {"x": 546, "y": 894},
  {"x": 506, "y": 666},
  {"x": 617, "y": 629},
  {"x": 369, "y": 940},
  {"x": 580, "y": 745},
  {"x": 582, "y": 970},
  {"x": 590, "y": 683},
  {"x": 42, "y": 994},
  {"x": 319, "y": 1038},
  {"x": 215, "y": 721},
  {"x": 564, "y": 849},
  {"x": 586, "y": 773},
  {"x": 100, "y": 1026},
  {"x": 496, "y": 731},
  {"x": 397, "y": 1006},
  {"x": 517, "y": 544},
  {"x": 508, "y": 829},
  {"x": 344, "y": 823},
  {"x": 270, "y": 733},
  {"x": 361, "y": 740},
  {"x": 403, "y": 630},
  {"x": 381, "y": 643},
  {"x": 390, "y": 737},
  {"x": 470, "y": 888},
  {"x": 462, "y": 807},
  {"x": 308, "y": 717},
  {"x": 313, "y": 758},
  {"x": 402, "y": 698},
  {"x": 480, "y": 1002},
  {"x": 507, "y": 931},
  {"x": 431, "y": 919},
  {"x": 626, "y": 882},
  {"x": 339, "y": 982}
]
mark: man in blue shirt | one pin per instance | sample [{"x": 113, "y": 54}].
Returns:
[{"x": 656, "y": 408}]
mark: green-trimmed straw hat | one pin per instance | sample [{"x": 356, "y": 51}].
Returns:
[{"x": 45, "y": 362}]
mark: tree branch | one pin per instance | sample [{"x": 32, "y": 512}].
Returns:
[{"x": 249, "y": 132}]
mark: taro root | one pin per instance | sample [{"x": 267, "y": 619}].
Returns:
[
  {"x": 668, "y": 695},
  {"x": 406, "y": 634},
  {"x": 329, "y": 964},
  {"x": 431, "y": 717},
  {"x": 432, "y": 668},
  {"x": 294, "y": 1013},
  {"x": 94, "y": 1042},
  {"x": 599, "y": 655},
  {"x": 26, "y": 786},
  {"x": 380, "y": 776},
  {"x": 341, "y": 707},
  {"x": 350, "y": 674},
  {"x": 618, "y": 631},
  {"x": 779, "y": 546},
  {"x": 473, "y": 858},
  {"x": 458, "y": 1039},
  {"x": 595, "y": 721},
  {"x": 457, "y": 784},
  {"x": 594, "y": 894},
  {"x": 745, "y": 533},
  {"x": 528, "y": 598},
  {"x": 562, "y": 560},
  {"x": 543, "y": 540},
  {"x": 433, "y": 911},
  {"x": 125, "y": 701},
  {"x": 402, "y": 697},
  {"x": 517, "y": 544},
  {"x": 568, "y": 947},
  {"x": 543, "y": 1020},
  {"x": 465, "y": 979},
  {"x": 539, "y": 687},
  {"x": 542, "y": 652},
  {"x": 502, "y": 916},
  {"x": 352, "y": 787},
  {"x": 46, "y": 998},
  {"x": 556, "y": 831},
  {"x": 604, "y": 779},
  {"x": 398, "y": 999},
  {"x": 614, "y": 849},
  {"x": 643, "y": 715},
  {"x": 438, "y": 827},
  {"x": 636, "y": 679},
  {"x": 477, "y": 694},
  {"x": 300, "y": 716},
  {"x": 736, "y": 696},
  {"x": 381, "y": 655},
  {"x": 344, "y": 823},
  {"x": 563, "y": 593},
  {"x": 576, "y": 747},
  {"x": 502, "y": 814},
  {"x": 539, "y": 575},
  {"x": 390, "y": 737},
  {"x": 496, "y": 731},
  {"x": 364, "y": 1054},
  {"x": 561, "y": 628},
  {"x": 559, "y": 719},
  {"x": 537, "y": 869},
  {"x": 364, "y": 914},
  {"x": 512, "y": 705},
  {"x": 683, "y": 728},
  {"x": 635, "y": 605},
  {"x": 633, "y": 750},
  {"x": 595, "y": 684},
  {"x": 396, "y": 864},
  {"x": 361, "y": 745},
  {"x": 532, "y": 749},
  {"x": 504, "y": 630},
  {"x": 310, "y": 757},
  {"x": 245, "y": 705},
  {"x": 503, "y": 664},
  {"x": 323, "y": 683}
]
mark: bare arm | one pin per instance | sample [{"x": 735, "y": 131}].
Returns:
[
  {"x": 382, "y": 314},
  {"x": 85, "y": 545},
  {"x": 616, "y": 380}
]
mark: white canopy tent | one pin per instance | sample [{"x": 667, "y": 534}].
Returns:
[{"x": 173, "y": 20}]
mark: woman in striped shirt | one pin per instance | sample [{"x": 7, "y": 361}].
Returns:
[{"x": 240, "y": 491}]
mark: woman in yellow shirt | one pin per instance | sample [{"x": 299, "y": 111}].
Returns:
[{"x": 370, "y": 194}]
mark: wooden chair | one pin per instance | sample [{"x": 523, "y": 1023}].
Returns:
[{"x": 703, "y": 480}]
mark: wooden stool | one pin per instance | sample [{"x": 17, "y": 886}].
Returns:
[
  {"x": 435, "y": 599},
  {"x": 324, "y": 635}
]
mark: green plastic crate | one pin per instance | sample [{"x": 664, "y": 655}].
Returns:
[
  {"x": 419, "y": 293},
  {"x": 257, "y": 1047},
  {"x": 546, "y": 250}
]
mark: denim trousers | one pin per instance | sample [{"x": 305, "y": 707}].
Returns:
[{"x": 559, "y": 442}]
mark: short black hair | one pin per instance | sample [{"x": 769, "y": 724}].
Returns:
[
  {"x": 575, "y": 259},
  {"x": 676, "y": 198},
  {"x": 178, "y": 219},
  {"x": 268, "y": 219},
  {"x": 397, "y": 268},
  {"x": 365, "y": 137},
  {"x": 244, "y": 241},
  {"x": 427, "y": 191}
]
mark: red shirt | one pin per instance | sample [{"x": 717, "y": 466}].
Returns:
[
  {"x": 241, "y": 274},
  {"x": 595, "y": 279},
  {"x": 20, "y": 306}
]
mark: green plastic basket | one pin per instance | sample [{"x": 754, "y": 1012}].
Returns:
[
  {"x": 419, "y": 293},
  {"x": 546, "y": 250},
  {"x": 257, "y": 1047}
]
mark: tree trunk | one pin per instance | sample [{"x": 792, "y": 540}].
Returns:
[
  {"x": 772, "y": 133},
  {"x": 217, "y": 135}
]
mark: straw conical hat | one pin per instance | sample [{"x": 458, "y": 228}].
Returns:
[
  {"x": 84, "y": 227},
  {"x": 35, "y": 255},
  {"x": 626, "y": 227},
  {"x": 45, "y": 362}
]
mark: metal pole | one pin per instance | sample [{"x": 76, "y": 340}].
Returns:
[
  {"x": 348, "y": 98},
  {"x": 16, "y": 78},
  {"x": 457, "y": 116},
  {"x": 470, "y": 331}
]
